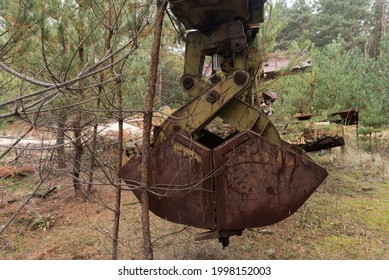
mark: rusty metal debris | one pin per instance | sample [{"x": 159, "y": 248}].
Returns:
[
  {"x": 317, "y": 136},
  {"x": 282, "y": 61},
  {"x": 346, "y": 117}
]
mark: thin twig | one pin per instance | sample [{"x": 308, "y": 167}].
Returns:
[
  {"x": 16, "y": 142},
  {"x": 21, "y": 207}
]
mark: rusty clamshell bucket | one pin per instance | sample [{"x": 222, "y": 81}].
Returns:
[{"x": 247, "y": 181}]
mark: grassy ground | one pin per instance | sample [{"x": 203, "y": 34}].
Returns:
[{"x": 346, "y": 218}]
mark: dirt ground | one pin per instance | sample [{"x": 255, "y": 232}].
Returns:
[{"x": 337, "y": 222}]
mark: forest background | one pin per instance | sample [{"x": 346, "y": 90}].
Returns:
[{"x": 69, "y": 66}]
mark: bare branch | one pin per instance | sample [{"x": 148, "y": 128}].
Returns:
[{"x": 25, "y": 77}]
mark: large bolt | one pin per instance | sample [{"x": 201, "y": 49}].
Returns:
[
  {"x": 187, "y": 82},
  {"x": 215, "y": 79},
  {"x": 212, "y": 96},
  {"x": 238, "y": 45},
  {"x": 240, "y": 77}
]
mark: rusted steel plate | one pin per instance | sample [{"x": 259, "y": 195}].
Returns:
[
  {"x": 197, "y": 14},
  {"x": 327, "y": 142},
  {"x": 260, "y": 183},
  {"x": 269, "y": 96},
  {"x": 305, "y": 117},
  {"x": 347, "y": 117},
  {"x": 181, "y": 190}
]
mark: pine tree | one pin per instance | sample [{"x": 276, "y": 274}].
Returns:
[
  {"x": 378, "y": 23},
  {"x": 298, "y": 23},
  {"x": 341, "y": 18}
]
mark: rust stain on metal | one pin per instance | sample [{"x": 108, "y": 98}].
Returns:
[
  {"x": 180, "y": 192},
  {"x": 249, "y": 193}
]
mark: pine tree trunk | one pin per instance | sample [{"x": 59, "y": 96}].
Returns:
[
  {"x": 60, "y": 143},
  {"x": 384, "y": 19},
  {"x": 146, "y": 156},
  {"x": 77, "y": 129},
  {"x": 160, "y": 83},
  {"x": 77, "y": 154},
  {"x": 62, "y": 115},
  {"x": 92, "y": 163},
  {"x": 115, "y": 239}
]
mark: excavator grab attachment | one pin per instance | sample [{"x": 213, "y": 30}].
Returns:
[{"x": 248, "y": 178}]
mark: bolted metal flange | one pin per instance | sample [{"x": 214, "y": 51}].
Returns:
[
  {"x": 238, "y": 45},
  {"x": 212, "y": 96},
  {"x": 187, "y": 82},
  {"x": 240, "y": 77}
]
